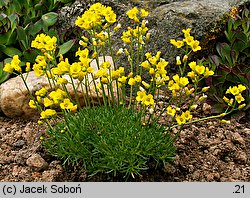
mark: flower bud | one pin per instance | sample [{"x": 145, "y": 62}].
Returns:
[
  {"x": 241, "y": 106},
  {"x": 193, "y": 107},
  {"x": 185, "y": 58},
  {"x": 178, "y": 60},
  {"x": 225, "y": 121},
  {"x": 203, "y": 97},
  {"x": 205, "y": 89},
  {"x": 148, "y": 36}
]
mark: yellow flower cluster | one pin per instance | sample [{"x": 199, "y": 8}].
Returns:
[
  {"x": 184, "y": 117},
  {"x": 96, "y": 16},
  {"x": 156, "y": 68},
  {"x": 136, "y": 14},
  {"x": 13, "y": 66},
  {"x": 44, "y": 42},
  {"x": 236, "y": 91},
  {"x": 177, "y": 83},
  {"x": 188, "y": 39},
  {"x": 52, "y": 99},
  {"x": 144, "y": 98},
  {"x": 199, "y": 70},
  {"x": 40, "y": 66},
  {"x": 138, "y": 33}
]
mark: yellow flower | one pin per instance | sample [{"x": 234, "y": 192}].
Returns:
[
  {"x": 189, "y": 40},
  {"x": 27, "y": 69},
  {"x": 62, "y": 81},
  {"x": 104, "y": 80},
  {"x": 140, "y": 95},
  {"x": 32, "y": 104},
  {"x": 192, "y": 65},
  {"x": 133, "y": 14},
  {"x": 100, "y": 73},
  {"x": 195, "y": 45},
  {"x": 187, "y": 115},
  {"x": 233, "y": 90},
  {"x": 42, "y": 92},
  {"x": 171, "y": 111},
  {"x": 63, "y": 67},
  {"x": 131, "y": 81},
  {"x": 39, "y": 122},
  {"x": 208, "y": 73},
  {"x": 47, "y": 102},
  {"x": 105, "y": 65},
  {"x": 68, "y": 105},
  {"x": 180, "y": 120},
  {"x": 241, "y": 88},
  {"x": 186, "y": 32},
  {"x": 191, "y": 75},
  {"x": 199, "y": 69},
  {"x": 75, "y": 70},
  {"x": 57, "y": 95},
  {"x": 146, "y": 65},
  {"x": 8, "y": 68},
  {"x": 44, "y": 42},
  {"x": 122, "y": 79},
  {"x": 183, "y": 81},
  {"x": 189, "y": 91},
  {"x": 177, "y": 44},
  {"x": 148, "y": 100},
  {"x": 173, "y": 86},
  {"x": 144, "y": 13},
  {"x": 48, "y": 113},
  {"x": 239, "y": 98}
]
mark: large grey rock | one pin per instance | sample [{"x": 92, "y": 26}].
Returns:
[
  {"x": 166, "y": 20},
  {"x": 14, "y": 96}
]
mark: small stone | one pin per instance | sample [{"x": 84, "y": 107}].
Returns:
[
  {"x": 51, "y": 175},
  {"x": 236, "y": 137},
  {"x": 206, "y": 108},
  {"x": 19, "y": 144},
  {"x": 213, "y": 176},
  {"x": 16, "y": 170},
  {"x": 241, "y": 157},
  {"x": 36, "y": 161},
  {"x": 170, "y": 169}
]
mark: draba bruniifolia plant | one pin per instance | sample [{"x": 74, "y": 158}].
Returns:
[{"x": 72, "y": 85}]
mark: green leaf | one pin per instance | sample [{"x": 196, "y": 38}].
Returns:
[
  {"x": 2, "y": 47},
  {"x": 33, "y": 29},
  {"x": 11, "y": 51},
  {"x": 30, "y": 55},
  {"x": 50, "y": 18},
  {"x": 64, "y": 48}
]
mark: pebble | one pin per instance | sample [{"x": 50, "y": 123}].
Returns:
[
  {"x": 19, "y": 144},
  {"x": 236, "y": 137},
  {"x": 36, "y": 161}
]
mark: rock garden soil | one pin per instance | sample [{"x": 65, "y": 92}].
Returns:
[{"x": 206, "y": 151}]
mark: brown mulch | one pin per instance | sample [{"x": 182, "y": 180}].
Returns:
[{"x": 206, "y": 151}]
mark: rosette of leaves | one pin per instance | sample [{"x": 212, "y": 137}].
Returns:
[
  {"x": 231, "y": 63},
  {"x": 21, "y": 20}
]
